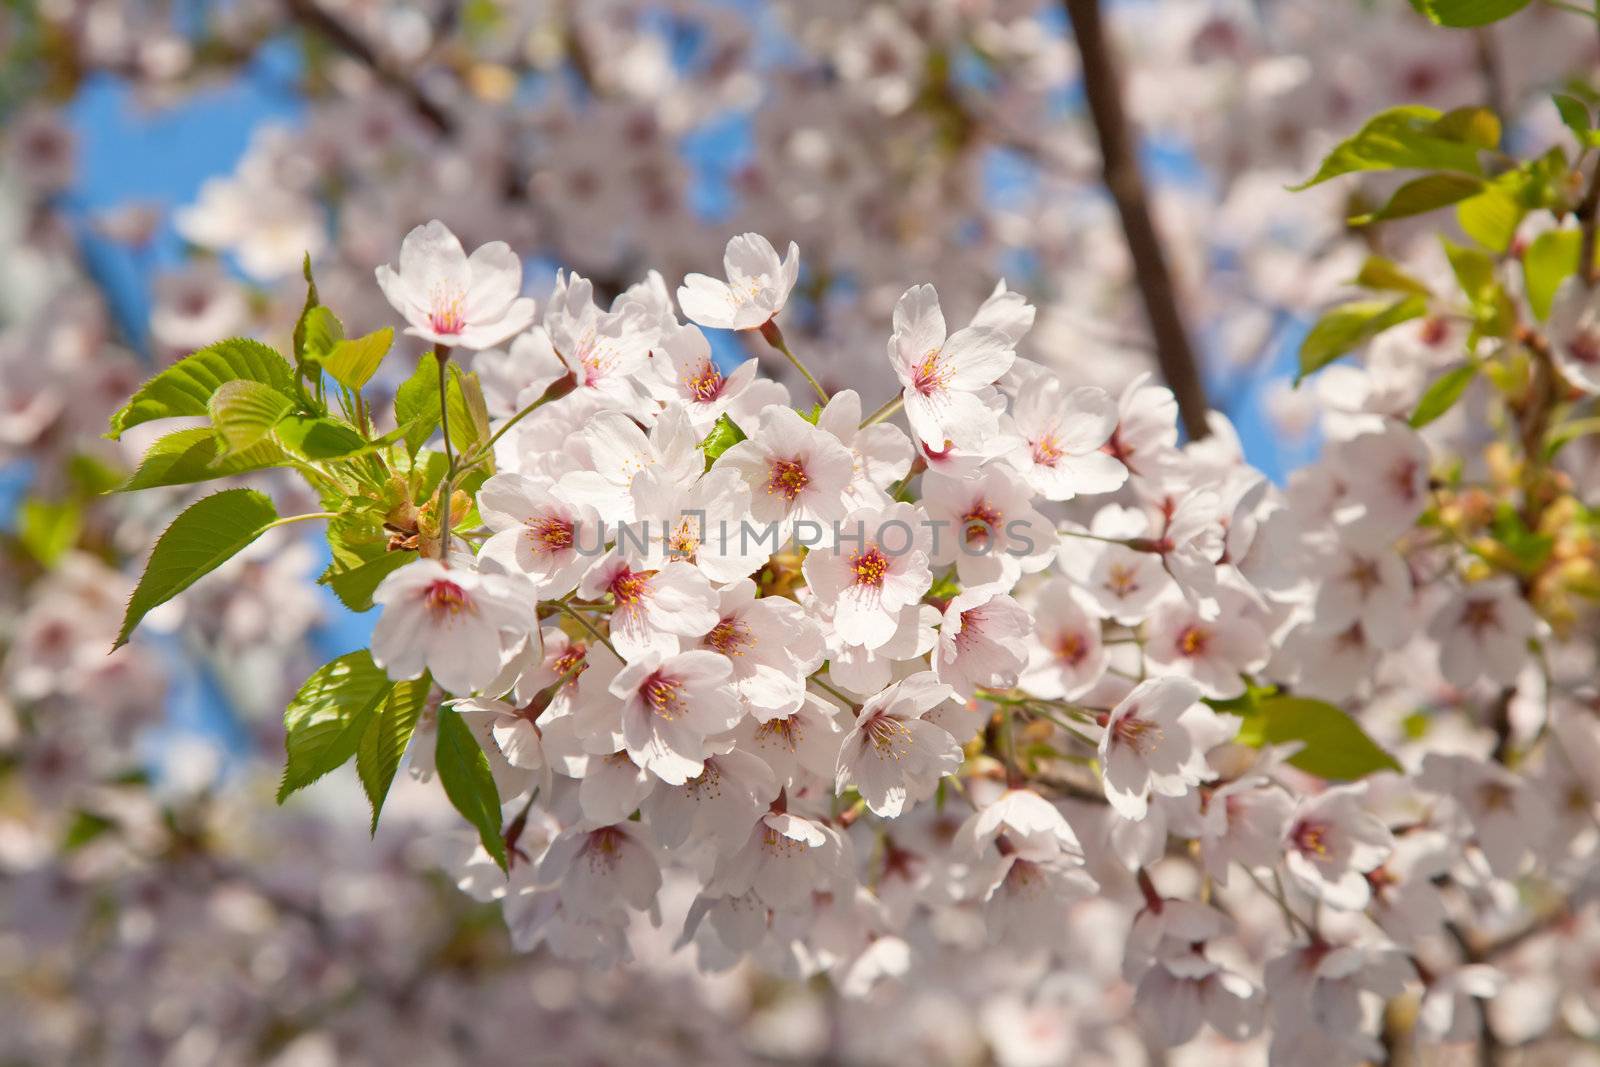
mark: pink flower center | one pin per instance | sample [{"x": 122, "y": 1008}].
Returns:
[
  {"x": 446, "y": 317},
  {"x": 629, "y": 586},
  {"x": 446, "y": 598},
  {"x": 551, "y": 533},
  {"x": 1070, "y": 648},
  {"x": 981, "y": 522},
  {"x": 888, "y": 735},
  {"x": 787, "y": 478},
  {"x": 1192, "y": 640},
  {"x": 663, "y": 696},
  {"x": 1138, "y": 734},
  {"x": 1312, "y": 838},
  {"x": 707, "y": 385},
  {"x": 1046, "y": 451},
  {"x": 929, "y": 376},
  {"x": 730, "y": 637}
]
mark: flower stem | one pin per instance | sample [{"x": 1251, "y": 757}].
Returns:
[
  {"x": 888, "y": 411},
  {"x": 287, "y": 519},
  {"x": 834, "y": 692},
  {"x": 774, "y": 336},
  {"x": 557, "y": 390},
  {"x": 441, "y": 355},
  {"x": 586, "y": 624}
]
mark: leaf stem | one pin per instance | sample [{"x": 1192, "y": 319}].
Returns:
[
  {"x": 774, "y": 336},
  {"x": 287, "y": 519}
]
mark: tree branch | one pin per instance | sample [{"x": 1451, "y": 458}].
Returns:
[
  {"x": 311, "y": 15},
  {"x": 1123, "y": 180}
]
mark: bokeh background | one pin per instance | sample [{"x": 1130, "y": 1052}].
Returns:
[{"x": 166, "y": 164}]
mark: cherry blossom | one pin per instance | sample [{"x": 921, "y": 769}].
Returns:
[{"x": 452, "y": 299}]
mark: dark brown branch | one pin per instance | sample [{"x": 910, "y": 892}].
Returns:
[
  {"x": 1123, "y": 180},
  {"x": 311, "y": 15}
]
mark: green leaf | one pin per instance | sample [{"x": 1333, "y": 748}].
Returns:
[
  {"x": 327, "y": 718},
  {"x": 464, "y": 773},
  {"x": 319, "y": 437},
  {"x": 1575, "y": 116},
  {"x": 1443, "y": 394},
  {"x": 725, "y": 433},
  {"x": 1474, "y": 270},
  {"x": 354, "y": 586},
  {"x": 1335, "y": 746},
  {"x": 85, "y": 827},
  {"x": 1467, "y": 13},
  {"x": 298, "y": 341},
  {"x": 1421, "y": 195},
  {"x": 323, "y": 332},
  {"x": 384, "y": 742},
  {"x": 244, "y": 413},
  {"x": 187, "y": 456},
  {"x": 1382, "y": 274},
  {"x": 1549, "y": 260},
  {"x": 205, "y": 536},
  {"x": 1475, "y": 126},
  {"x": 185, "y": 388},
  {"x": 469, "y": 413},
  {"x": 1351, "y": 325},
  {"x": 353, "y": 363},
  {"x": 416, "y": 403},
  {"x": 1401, "y": 138},
  {"x": 92, "y": 476},
  {"x": 1491, "y": 218},
  {"x": 48, "y": 528}
]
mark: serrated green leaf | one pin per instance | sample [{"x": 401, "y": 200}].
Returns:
[
  {"x": 185, "y": 388},
  {"x": 244, "y": 413},
  {"x": 328, "y": 717},
  {"x": 1442, "y": 395},
  {"x": 1462, "y": 14},
  {"x": 464, "y": 773},
  {"x": 1423, "y": 194},
  {"x": 354, "y": 586},
  {"x": 1333, "y": 744},
  {"x": 48, "y": 528},
  {"x": 353, "y": 363},
  {"x": 1351, "y": 325},
  {"x": 725, "y": 433},
  {"x": 1397, "y": 139},
  {"x": 1474, "y": 270},
  {"x": 416, "y": 403},
  {"x": 384, "y": 742},
  {"x": 1550, "y": 259},
  {"x": 184, "y": 457},
  {"x": 205, "y": 536},
  {"x": 1382, "y": 274},
  {"x": 319, "y": 437}
]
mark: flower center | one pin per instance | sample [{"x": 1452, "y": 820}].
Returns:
[
  {"x": 889, "y": 736},
  {"x": 1363, "y": 574},
  {"x": 1585, "y": 348},
  {"x": 1138, "y": 734},
  {"x": 551, "y": 533},
  {"x": 446, "y": 598},
  {"x": 929, "y": 376},
  {"x": 787, "y": 478},
  {"x": 1480, "y": 615},
  {"x": 1192, "y": 640},
  {"x": 1122, "y": 580},
  {"x": 730, "y": 637},
  {"x": 1046, "y": 450},
  {"x": 981, "y": 523},
  {"x": 446, "y": 316},
  {"x": 629, "y": 587},
  {"x": 1070, "y": 648},
  {"x": 870, "y": 566},
  {"x": 1311, "y": 837},
  {"x": 663, "y": 695},
  {"x": 707, "y": 385}
]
